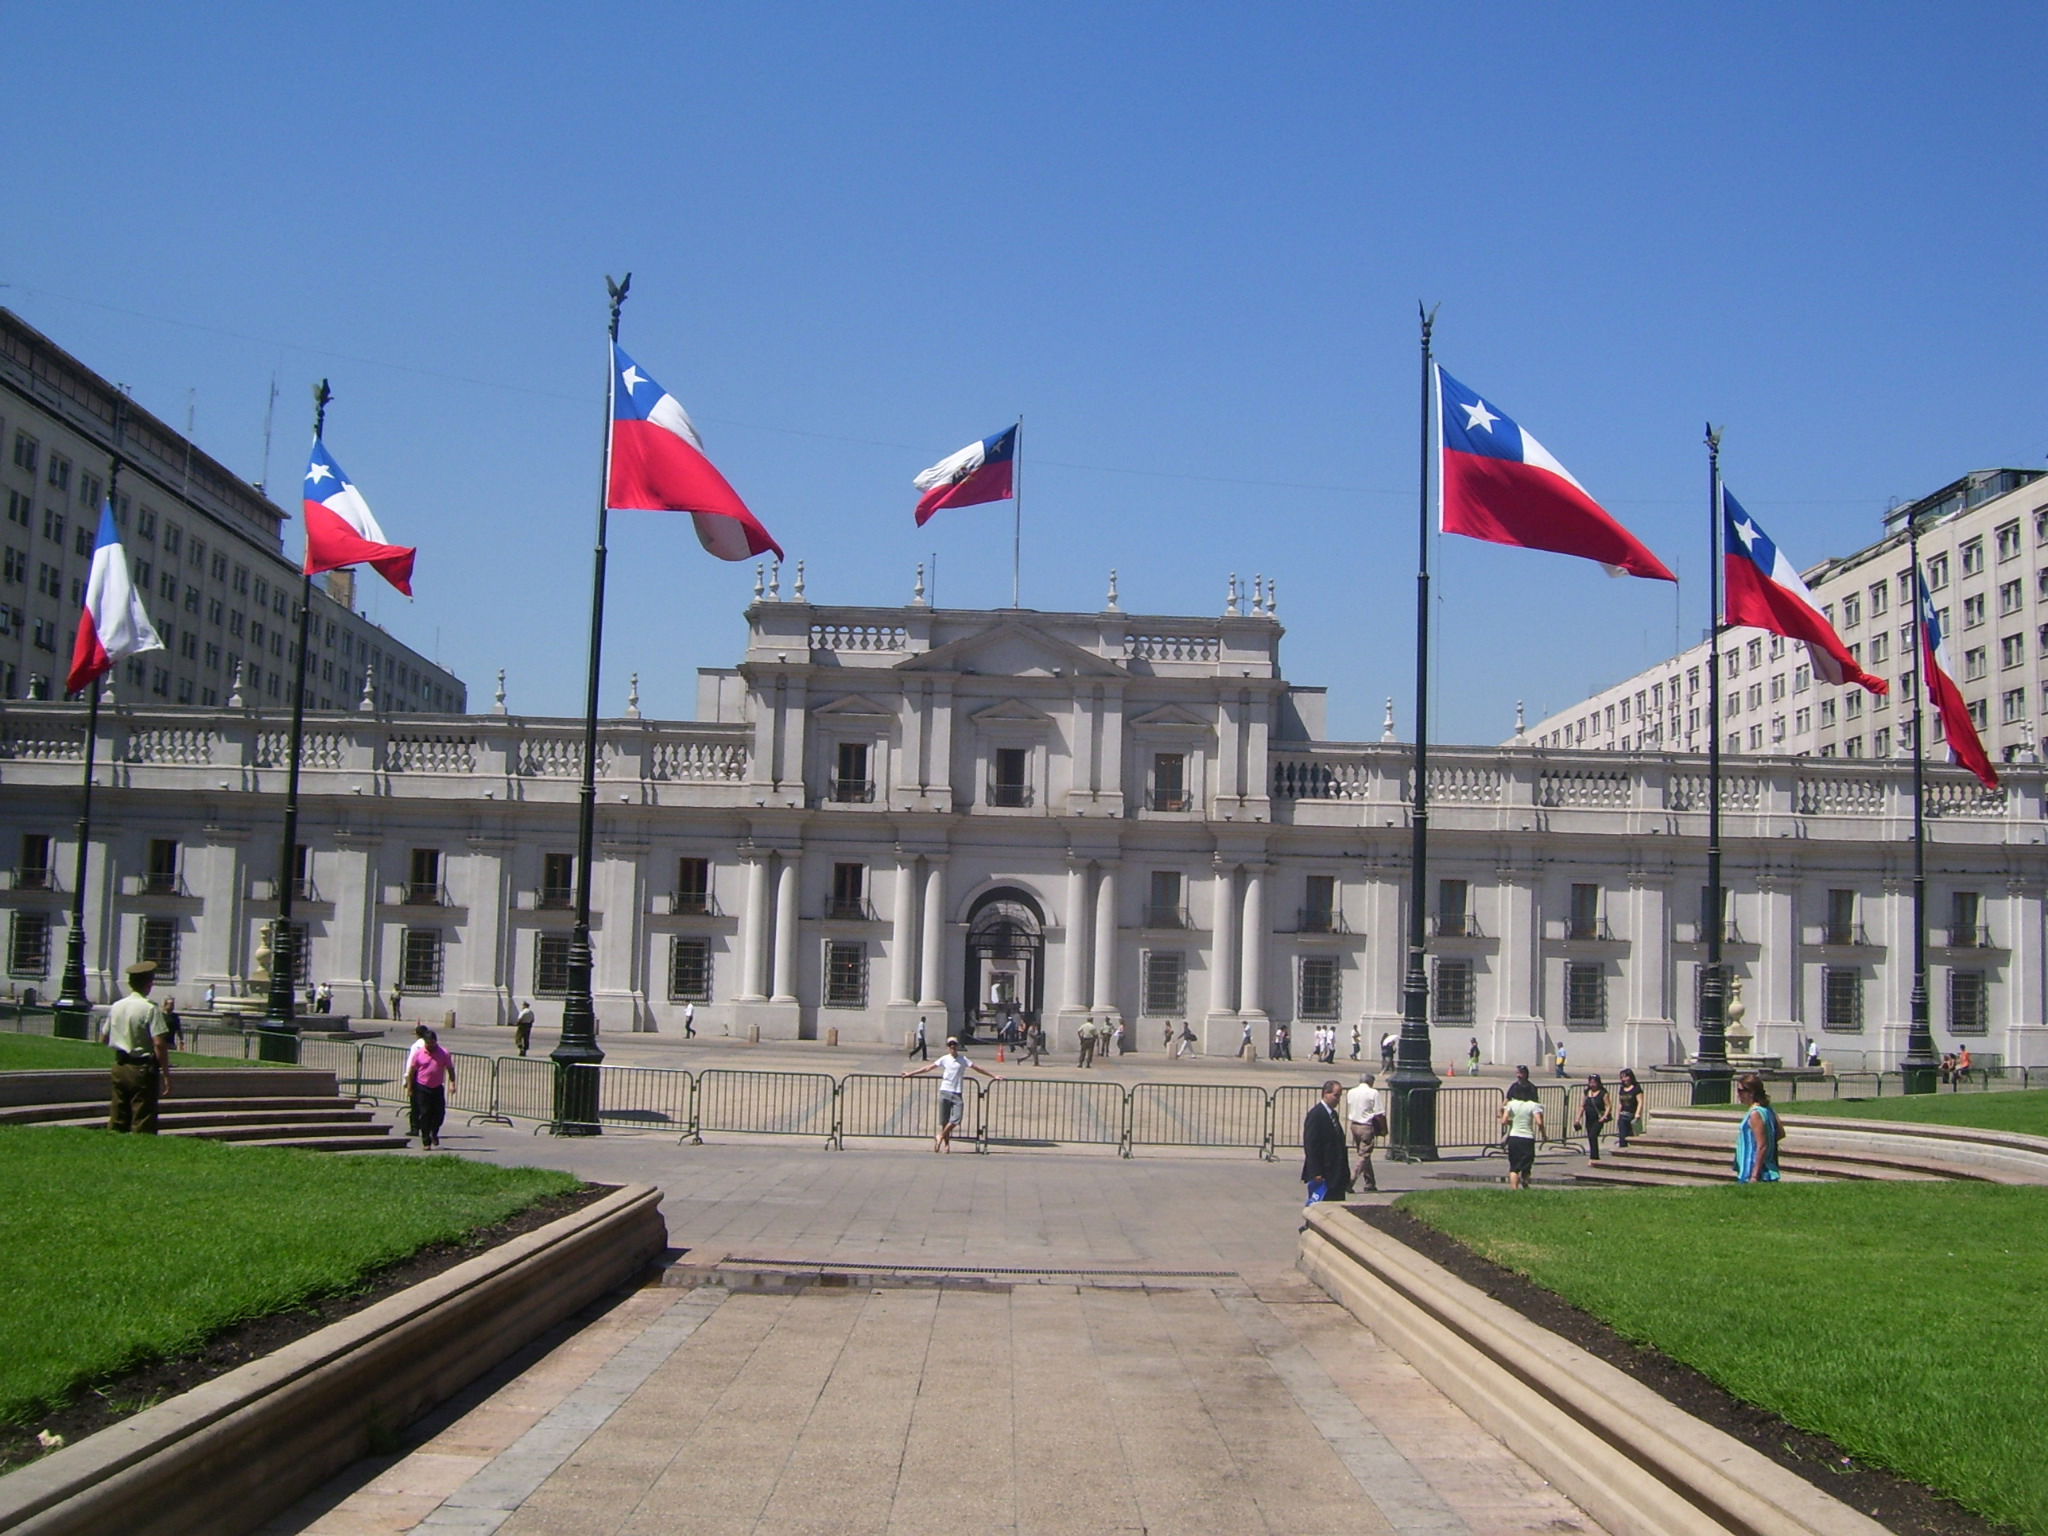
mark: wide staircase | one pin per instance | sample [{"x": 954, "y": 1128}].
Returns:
[
  {"x": 1693, "y": 1147},
  {"x": 283, "y": 1107}
]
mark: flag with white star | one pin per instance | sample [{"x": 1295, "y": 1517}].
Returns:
[
  {"x": 1765, "y": 590},
  {"x": 1499, "y": 484},
  {"x": 658, "y": 465},
  {"x": 340, "y": 529},
  {"x": 1938, "y": 687}
]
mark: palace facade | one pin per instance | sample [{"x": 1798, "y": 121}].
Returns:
[{"x": 888, "y": 812}]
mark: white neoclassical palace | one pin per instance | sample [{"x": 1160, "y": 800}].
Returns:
[{"x": 899, "y": 811}]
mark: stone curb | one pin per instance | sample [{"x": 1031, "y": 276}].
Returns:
[
  {"x": 2007, "y": 1155},
  {"x": 233, "y": 1451},
  {"x": 21, "y": 1089},
  {"x": 1631, "y": 1460}
]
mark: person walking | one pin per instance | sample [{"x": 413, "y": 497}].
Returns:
[
  {"x": 1521, "y": 1119},
  {"x": 1363, "y": 1118},
  {"x": 1245, "y": 1046},
  {"x": 1165, "y": 1036},
  {"x": 952, "y": 1069},
  {"x": 1472, "y": 1057},
  {"x": 211, "y": 994},
  {"x": 1756, "y": 1142},
  {"x": 689, "y": 1021},
  {"x": 522, "y": 1027},
  {"x": 1357, "y": 1041},
  {"x": 1086, "y": 1035},
  {"x": 140, "y": 1037},
  {"x": 1558, "y": 1059},
  {"x": 177, "y": 1024},
  {"x": 1629, "y": 1115},
  {"x": 919, "y": 1046},
  {"x": 1187, "y": 1039},
  {"x": 1116, "y": 1041},
  {"x": 1034, "y": 1043},
  {"x": 395, "y": 995},
  {"x": 324, "y": 999},
  {"x": 429, "y": 1074},
  {"x": 1595, "y": 1110},
  {"x": 1387, "y": 1043},
  {"x": 1325, "y": 1160}
]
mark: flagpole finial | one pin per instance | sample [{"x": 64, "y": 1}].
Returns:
[
  {"x": 617, "y": 291},
  {"x": 322, "y": 397},
  {"x": 1230, "y": 608},
  {"x": 1713, "y": 439}
]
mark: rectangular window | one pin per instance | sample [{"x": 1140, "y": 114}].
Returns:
[
  {"x": 2009, "y": 540},
  {"x": 1880, "y": 598},
  {"x": 689, "y": 970},
  {"x": 160, "y": 876},
  {"x": 2013, "y": 705},
  {"x": 1011, "y": 784},
  {"x": 693, "y": 886},
  {"x": 1973, "y": 611},
  {"x": 1968, "y": 997},
  {"x": 1319, "y": 905},
  {"x": 159, "y": 943},
  {"x": 1166, "y": 983},
  {"x": 1320, "y": 987},
  {"x": 419, "y": 961},
  {"x": 850, "y": 781},
  {"x": 551, "y": 965},
  {"x": 849, "y": 891},
  {"x": 423, "y": 880},
  {"x": 1584, "y": 922},
  {"x": 2011, "y": 597},
  {"x": 1162, "y": 905},
  {"x": 28, "y": 944},
  {"x": 1169, "y": 781},
  {"x": 1965, "y": 924},
  {"x": 1451, "y": 999},
  {"x": 24, "y": 452},
  {"x": 557, "y": 880},
  {"x": 1852, "y": 611},
  {"x": 1841, "y": 998},
  {"x": 32, "y": 873},
  {"x": 1841, "y": 923},
  {"x": 1937, "y": 578},
  {"x": 846, "y": 974},
  {"x": 1972, "y": 556},
  {"x": 2012, "y": 651},
  {"x": 1585, "y": 994},
  {"x": 1452, "y": 917}
]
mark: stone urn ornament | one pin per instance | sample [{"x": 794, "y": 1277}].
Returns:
[{"x": 1739, "y": 1039}]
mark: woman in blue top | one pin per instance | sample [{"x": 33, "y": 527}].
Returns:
[{"x": 1756, "y": 1144}]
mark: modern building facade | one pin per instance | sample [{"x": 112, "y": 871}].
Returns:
[
  {"x": 205, "y": 550},
  {"x": 1984, "y": 545},
  {"x": 884, "y": 813}
]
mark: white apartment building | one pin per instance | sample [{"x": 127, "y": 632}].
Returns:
[
  {"x": 205, "y": 549},
  {"x": 889, "y": 812},
  {"x": 1984, "y": 545}
]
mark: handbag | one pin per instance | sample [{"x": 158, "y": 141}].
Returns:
[{"x": 1378, "y": 1124}]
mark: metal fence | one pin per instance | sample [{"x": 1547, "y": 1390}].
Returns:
[
  {"x": 892, "y": 1105},
  {"x": 776, "y": 1103},
  {"x": 1201, "y": 1115}
]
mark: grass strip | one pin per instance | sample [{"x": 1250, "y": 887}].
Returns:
[
  {"x": 1902, "y": 1321},
  {"x": 116, "y": 1250},
  {"x": 46, "y": 1053},
  {"x": 2021, "y": 1110}
]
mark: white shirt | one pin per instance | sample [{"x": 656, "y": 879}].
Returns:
[
  {"x": 1361, "y": 1103},
  {"x": 952, "y": 1073}
]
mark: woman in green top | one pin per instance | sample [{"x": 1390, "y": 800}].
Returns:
[{"x": 1521, "y": 1117}]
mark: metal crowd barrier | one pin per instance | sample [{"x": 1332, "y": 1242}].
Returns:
[
  {"x": 874, "y": 1104},
  {"x": 1045, "y": 1111},
  {"x": 1201, "y": 1115},
  {"x": 777, "y": 1103}
]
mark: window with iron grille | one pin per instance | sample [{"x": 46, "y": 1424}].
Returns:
[
  {"x": 693, "y": 885},
  {"x": 1967, "y": 1003},
  {"x": 846, "y": 974},
  {"x": 1321, "y": 987},
  {"x": 1585, "y": 994},
  {"x": 551, "y": 965},
  {"x": 28, "y": 944},
  {"x": 689, "y": 970},
  {"x": 419, "y": 961},
  {"x": 160, "y": 944},
  {"x": 1841, "y": 998},
  {"x": 1451, "y": 999},
  {"x": 1166, "y": 983}
]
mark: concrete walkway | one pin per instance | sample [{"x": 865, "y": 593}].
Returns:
[{"x": 1024, "y": 1342}]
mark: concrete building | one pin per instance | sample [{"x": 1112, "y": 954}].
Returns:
[
  {"x": 888, "y": 812},
  {"x": 205, "y": 549},
  {"x": 1984, "y": 544}
]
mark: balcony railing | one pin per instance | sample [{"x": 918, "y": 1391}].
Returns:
[
  {"x": 302, "y": 890},
  {"x": 555, "y": 897},
  {"x": 32, "y": 880},
  {"x": 1004, "y": 793},
  {"x": 853, "y": 791},
  {"x": 853, "y": 909},
  {"x": 1844, "y": 935},
  {"x": 1588, "y": 929},
  {"x": 1166, "y": 917},
  {"x": 1170, "y": 800},
  {"x": 1320, "y": 920},
  {"x": 692, "y": 904},
  {"x": 1456, "y": 925},
  {"x": 158, "y": 883},
  {"x": 423, "y": 893},
  {"x": 1969, "y": 936}
]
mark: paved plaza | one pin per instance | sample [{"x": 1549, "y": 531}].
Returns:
[{"x": 889, "y": 1340}]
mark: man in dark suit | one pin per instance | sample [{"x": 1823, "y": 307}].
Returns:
[{"x": 1325, "y": 1153}]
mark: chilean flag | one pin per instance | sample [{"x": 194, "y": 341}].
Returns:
[
  {"x": 1501, "y": 485},
  {"x": 113, "y": 624},
  {"x": 983, "y": 471},
  {"x": 1963, "y": 742},
  {"x": 658, "y": 465},
  {"x": 1765, "y": 590},
  {"x": 340, "y": 529}
]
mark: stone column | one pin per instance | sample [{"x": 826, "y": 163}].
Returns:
[
  {"x": 1104, "y": 1000},
  {"x": 903, "y": 931},
  {"x": 1773, "y": 999},
  {"x": 1517, "y": 1032},
  {"x": 1074, "y": 988},
  {"x": 1224, "y": 928},
  {"x": 932, "y": 986},
  {"x": 1253, "y": 991},
  {"x": 785, "y": 929},
  {"x": 1647, "y": 1026},
  {"x": 754, "y": 929},
  {"x": 2020, "y": 1006}
]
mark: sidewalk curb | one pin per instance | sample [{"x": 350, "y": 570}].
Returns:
[
  {"x": 1631, "y": 1460},
  {"x": 233, "y": 1451}
]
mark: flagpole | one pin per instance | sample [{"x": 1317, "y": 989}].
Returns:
[
  {"x": 576, "y": 1095},
  {"x": 1711, "y": 1075},
  {"x": 72, "y": 1012},
  {"x": 1919, "y": 1065},
  {"x": 276, "y": 1038},
  {"x": 1017, "y": 515},
  {"x": 1413, "y": 1083}
]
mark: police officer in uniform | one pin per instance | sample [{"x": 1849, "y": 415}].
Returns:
[{"x": 141, "y": 1037}]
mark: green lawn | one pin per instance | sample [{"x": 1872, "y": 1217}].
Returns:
[
  {"x": 45, "y": 1053},
  {"x": 2025, "y": 1110},
  {"x": 119, "y": 1249},
  {"x": 1904, "y": 1321}
]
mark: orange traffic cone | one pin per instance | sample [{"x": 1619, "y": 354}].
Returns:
[
  {"x": 1453, "y": 1070},
  {"x": 999, "y": 1055}
]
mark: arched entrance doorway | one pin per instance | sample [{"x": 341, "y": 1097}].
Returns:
[{"x": 1005, "y": 970}]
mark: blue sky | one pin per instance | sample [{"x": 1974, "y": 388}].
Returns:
[{"x": 1186, "y": 241}]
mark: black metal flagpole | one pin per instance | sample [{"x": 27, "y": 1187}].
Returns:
[
  {"x": 72, "y": 1014},
  {"x": 1413, "y": 1083},
  {"x": 277, "y": 1037},
  {"x": 577, "y": 1056},
  {"x": 1919, "y": 1066},
  {"x": 1711, "y": 1076}
]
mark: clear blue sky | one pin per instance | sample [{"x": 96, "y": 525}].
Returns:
[{"x": 1187, "y": 241}]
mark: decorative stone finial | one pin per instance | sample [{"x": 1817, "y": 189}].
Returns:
[
  {"x": 775, "y": 581},
  {"x": 1110, "y": 602},
  {"x": 369, "y": 703},
  {"x": 758, "y": 569},
  {"x": 917, "y": 597},
  {"x": 1258, "y": 596},
  {"x": 107, "y": 686},
  {"x": 1387, "y": 725},
  {"x": 1521, "y": 726},
  {"x": 499, "y": 707},
  {"x": 799, "y": 581},
  {"x": 2028, "y": 752},
  {"x": 1273, "y": 598},
  {"x": 633, "y": 699},
  {"x": 1230, "y": 609},
  {"x": 235, "y": 687}
]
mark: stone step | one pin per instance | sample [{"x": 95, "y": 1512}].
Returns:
[
  {"x": 1842, "y": 1165},
  {"x": 85, "y": 1109},
  {"x": 346, "y": 1145}
]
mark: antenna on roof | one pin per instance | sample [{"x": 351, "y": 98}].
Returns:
[{"x": 269, "y": 411}]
